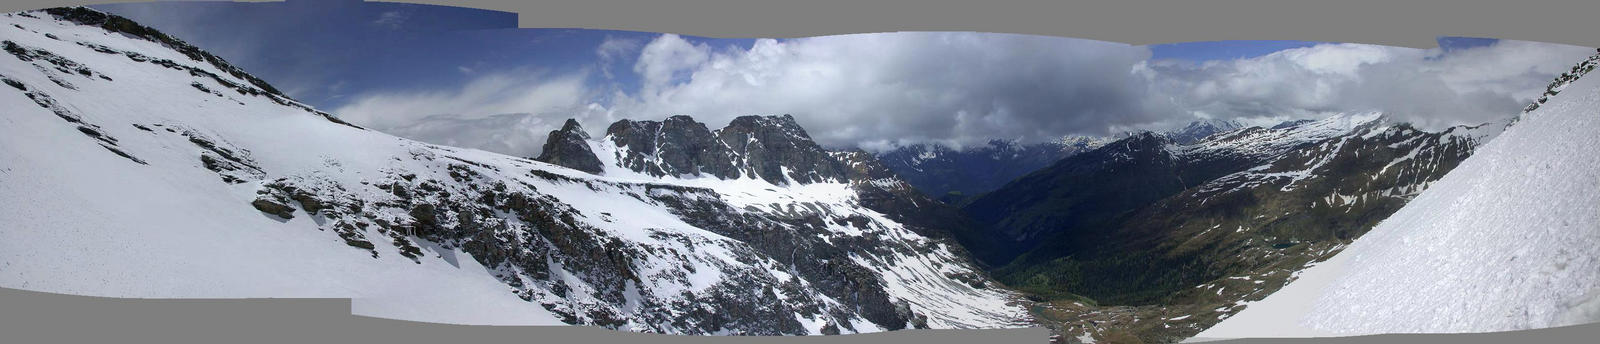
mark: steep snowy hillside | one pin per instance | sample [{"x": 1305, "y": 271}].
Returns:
[
  {"x": 1157, "y": 240},
  {"x": 1093, "y": 188},
  {"x": 1510, "y": 239},
  {"x": 135, "y": 165}
]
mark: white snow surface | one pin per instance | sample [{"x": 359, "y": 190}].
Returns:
[
  {"x": 76, "y": 218},
  {"x": 1508, "y": 240},
  {"x": 80, "y": 220},
  {"x": 1267, "y": 142}
]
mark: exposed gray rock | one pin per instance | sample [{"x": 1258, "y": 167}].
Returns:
[
  {"x": 687, "y": 147},
  {"x": 677, "y": 146},
  {"x": 769, "y": 145},
  {"x": 569, "y": 147},
  {"x": 772, "y": 148},
  {"x": 717, "y": 263}
]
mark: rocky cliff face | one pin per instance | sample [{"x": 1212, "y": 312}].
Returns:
[
  {"x": 569, "y": 147},
  {"x": 678, "y": 146},
  {"x": 656, "y": 227},
  {"x": 777, "y": 150},
  {"x": 774, "y": 149}
]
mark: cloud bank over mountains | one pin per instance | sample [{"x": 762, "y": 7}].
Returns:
[{"x": 959, "y": 88}]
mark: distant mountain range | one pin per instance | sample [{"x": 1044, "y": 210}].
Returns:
[
  {"x": 1163, "y": 229},
  {"x": 1509, "y": 240},
  {"x": 133, "y": 164},
  {"x": 955, "y": 175}
]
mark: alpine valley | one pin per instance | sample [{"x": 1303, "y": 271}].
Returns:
[
  {"x": 957, "y": 175},
  {"x": 133, "y": 164}
]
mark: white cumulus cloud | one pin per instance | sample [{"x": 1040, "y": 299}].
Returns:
[{"x": 878, "y": 90}]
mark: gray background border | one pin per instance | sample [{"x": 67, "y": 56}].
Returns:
[{"x": 34, "y": 317}]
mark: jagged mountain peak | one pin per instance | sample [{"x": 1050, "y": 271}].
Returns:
[
  {"x": 774, "y": 149},
  {"x": 569, "y": 147},
  {"x": 1199, "y": 130},
  {"x": 778, "y": 150},
  {"x": 281, "y": 204},
  {"x": 784, "y": 122},
  {"x": 571, "y": 126},
  {"x": 1214, "y": 123},
  {"x": 1142, "y": 139}
]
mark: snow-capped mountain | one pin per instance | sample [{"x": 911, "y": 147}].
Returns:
[
  {"x": 137, "y": 165},
  {"x": 1142, "y": 168},
  {"x": 1199, "y": 130},
  {"x": 1509, "y": 240},
  {"x": 1154, "y": 239},
  {"x": 956, "y": 174}
]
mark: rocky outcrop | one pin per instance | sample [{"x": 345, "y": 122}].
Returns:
[
  {"x": 770, "y": 148},
  {"x": 569, "y": 147},
  {"x": 777, "y": 150},
  {"x": 804, "y": 236},
  {"x": 678, "y": 146},
  {"x": 687, "y": 147},
  {"x": 668, "y": 255},
  {"x": 118, "y": 24}
]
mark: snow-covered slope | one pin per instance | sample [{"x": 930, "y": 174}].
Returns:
[
  {"x": 82, "y": 219},
  {"x": 134, "y": 165},
  {"x": 1259, "y": 143},
  {"x": 1508, "y": 240}
]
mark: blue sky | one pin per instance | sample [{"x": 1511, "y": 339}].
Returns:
[
  {"x": 324, "y": 51},
  {"x": 1221, "y": 50},
  {"x": 321, "y": 52},
  {"x": 447, "y": 74}
]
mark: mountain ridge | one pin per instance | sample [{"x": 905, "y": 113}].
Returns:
[
  {"x": 1144, "y": 231},
  {"x": 282, "y": 199},
  {"x": 955, "y": 176},
  {"x": 1517, "y": 220}
]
